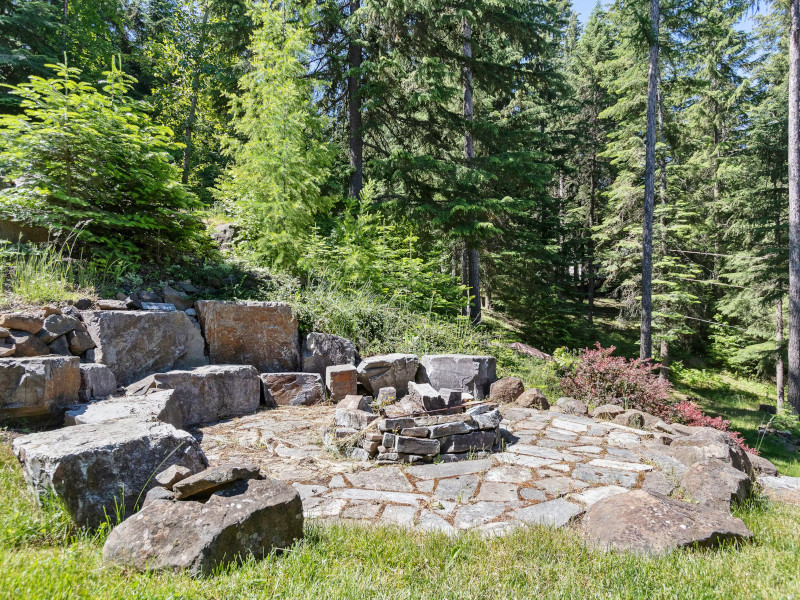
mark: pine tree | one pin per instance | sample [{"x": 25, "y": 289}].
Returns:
[{"x": 279, "y": 159}]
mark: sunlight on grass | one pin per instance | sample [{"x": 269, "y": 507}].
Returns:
[
  {"x": 348, "y": 561},
  {"x": 737, "y": 399}
]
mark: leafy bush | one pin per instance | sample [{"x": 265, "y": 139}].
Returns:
[
  {"x": 689, "y": 413},
  {"x": 597, "y": 378},
  {"x": 364, "y": 251},
  {"x": 80, "y": 154}
]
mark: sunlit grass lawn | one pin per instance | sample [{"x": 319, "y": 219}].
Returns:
[
  {"x": 40, "y": 558},
  {"x": 737, "y": 399}
]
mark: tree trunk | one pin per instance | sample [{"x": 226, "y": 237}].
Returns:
[
  {"x": 64, "y": 32},
  {"x": 646, "y": 339},
  {"x": 663, "y": 370},
  {"x": 190, "y": 121},
  {"x": 779, "y": 347},
  {"x": 354, "y": 109},
  {"x": 465, "y": 277},
  {"x": 794, "y": 207},
  {"x": 473, "y": 268},
  {"x": 474, "y": 286}
]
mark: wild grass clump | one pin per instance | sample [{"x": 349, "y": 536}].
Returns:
[
  {"x": 32, "y": 274},
  {"x": 377, "y": 324},
  {"x": 23, "y": 522}
]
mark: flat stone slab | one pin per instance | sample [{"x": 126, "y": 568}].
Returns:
[
  {"x": 390, "y": 479},
  {"x": 477, "y": 514},
  {"x": 437, "y": 471},
  {"x": 460, "y": 489},
  {"x": 555, "y": 513}
]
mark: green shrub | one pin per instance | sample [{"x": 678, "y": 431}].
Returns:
[
  {"x": 88, "y": 159},
  {"x": 363, "y": 250}
]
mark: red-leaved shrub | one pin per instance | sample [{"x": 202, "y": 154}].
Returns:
[
  {"x": 689, "y": 413},
  {"x": 599, "y": 378}
]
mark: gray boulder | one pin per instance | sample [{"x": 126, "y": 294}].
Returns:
[
  {"x": 97, "y": 381},
  {"x": 180, "y": 300},
  {"x": 208, "y": 394},
  {"x": 388, "y": 370},
  {"x": 706, "y": 443},
  {"x": 607, "y": 412},
  {"x": 79, "y": 340},
  {"x": 60, "y": 346},
  {"x": 650, "y": 523},
  {"x": 292, "y": 389},
  {"x": 251, "y": 518},
  {"x": 96, "y": 470},
  {"x": 424, "y": 393},
  {"x": 761, "y": 465},
  {"x": 716, "y": 484},
  {"x": 55, "y": 326},
  {"x": 38, "y": 387},
  {"x": 533, "y": 398},
  {"x": 157, "y": 406},
  {"x": 134, "y": 344},
  {"x": 781, "y": 488},
  {"x": 460, "y": 372},
  {"x": 571, "y": 406},
  {"x": 261, "y": 334},
  {"x": 172, "y": 475},
  {"x": 323, "y": 350}
]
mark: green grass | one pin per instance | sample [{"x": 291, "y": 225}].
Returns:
[
  {"x": 736, "y": 399},
  {"x": 41, "y": 559}
]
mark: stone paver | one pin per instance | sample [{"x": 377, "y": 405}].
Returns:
[
  {"x": 390, "y": 479},
  {"x": 555, "y": 513},
  {"x": 477, "y": 514},
  {"x": 460, "y": 489},
  {"x": 497, "y": 492},
  {"x": 554, "y": 467}
]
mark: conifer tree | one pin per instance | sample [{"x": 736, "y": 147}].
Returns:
[{"x": 279, "y": 160}]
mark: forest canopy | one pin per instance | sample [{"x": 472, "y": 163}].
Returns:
[{"x": 470, "y": 155}]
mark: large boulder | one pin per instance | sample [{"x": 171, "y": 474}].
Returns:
[
  {"x": 292, "y": 389},
  {"x": 388, "y": 370},
  {"x": 650, "y": 523},
  {"x": 323, "y": 350},
  {"x": 38, "y": 387},
  {"x": 250, "y": 518},
  {"x": 761, "y": 465},
  {"x": 460, "y": 372},
  {"x": 157, "y": 406},
  {"x": 716, "y": 484},
  {"x": 97, "y": 381},
  {"x": 101, "y": 469},
  {"x": 533, "y": 398},
  {"x": 781, "y": 488},
  {"x": 707, "y": 443},
  {"x": 210, "y": 393},
  {"x": 134, "y": 344},
  {"x": 571, "y": 406},
  {"x": 506, "y": 390},
  {"x": 261, "y": 334}
]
